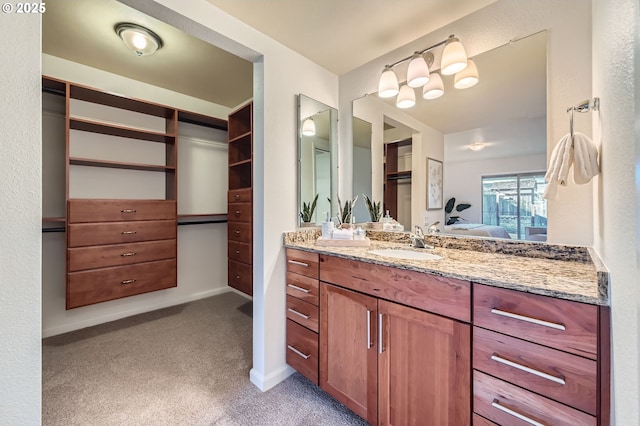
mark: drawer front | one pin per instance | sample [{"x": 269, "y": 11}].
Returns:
[
  {"x": 303, "y": 263},
  {"x": 302, "y": 350},
  {"x": 564, "y": 377},
  {"x": 240, "y": 251},
  {"x": 93, "y": 257},
  {"x": 444, "y": 296},
  {"x": 241, "y": 277},
  {"x": 239, "y": 196},
  {"x": 503, "y": 403},
  {"x": 240, "y": 212},
  {"x": 100, "y": 285},
  {"x": 560, "y": 324},
  {"x": 481, "y": 421},
  {"x": 240, "y": 232},
  {"x": 89, "y": 210},
  {"x": 303, "y": 313},
  {"x": 304, "y": 288},
  {"x": 93, "y": 234}
]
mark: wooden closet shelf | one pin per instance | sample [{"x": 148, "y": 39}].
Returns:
[
  {"x": 122, "y": 131},
  {"x": 202, "y": 120},
  {"x": 88, "y": 94},
  {"x": 239, "y": 137},
  {"x": 241, "y": 163},
  {"x": 119, "y": 165}
]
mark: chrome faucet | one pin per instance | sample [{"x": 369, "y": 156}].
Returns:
[
  {"x": 433, "y": 228},
  {"x": 417, "y": 239}
]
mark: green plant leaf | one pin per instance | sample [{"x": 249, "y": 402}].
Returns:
[
  {"x": 448, "y": 208},
  {"x": 462, "y": 206}
]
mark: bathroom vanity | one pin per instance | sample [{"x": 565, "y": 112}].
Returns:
[{"x": 476, "y": 337}]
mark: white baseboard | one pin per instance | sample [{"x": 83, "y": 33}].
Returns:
[
  {"x": 264, "y": 383},
  {"x": 54, "y": 331},
  {"x": 239, "y": 293}
]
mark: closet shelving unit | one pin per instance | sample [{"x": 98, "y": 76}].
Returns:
[
  {"x": 122, "y": 247},
  {"x": 392, "y": 175}
]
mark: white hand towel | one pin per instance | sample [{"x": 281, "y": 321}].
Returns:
[
  {"x": 559, "y": 165},
  {"x": 585, "y": 165},
  {"x": 342, "y": 234}
]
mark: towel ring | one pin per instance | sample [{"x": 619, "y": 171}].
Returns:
[{"x": 571, "y": 124}]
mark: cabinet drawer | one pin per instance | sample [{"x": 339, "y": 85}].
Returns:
[
  {"x": 481, "y": 421},
  {"x": 239, "y": 231},
  {"x": 503, "y": 403},
  {"x": 240, "y": 212},
  {"x": 303, "y": 313},
  {"x": 564, "y": 377},
  {"x": 93, "y": 234},
  {"x": 304, "y": 288},
  {"x": 100, "y": 285},
  {"x": 241, "y": 252},
  {"x": 302, "y": 350},
  {"x": 445, "y": 296},
  {"x": 303, "y": 263},
  {"x": 239, "y": 196},
  {"x": 561, "y": 324},
  {"x": 94, "y": 210},
  {"x": 93, "y": 257},
  {"x": 241, "y": 277}
]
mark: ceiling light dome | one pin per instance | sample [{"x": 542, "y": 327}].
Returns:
[
  {"x": 388, "y": 84},
  {"x": 140, "y": 40},
  {"x": 406, "y": 97},
  {"x": 434, "y": 88},
  {"x": 418, "y": 71},
  {"x": 309, "y": 127},
  {"x": 466, "y": 78},
  {"x": 454, "y": 57}
]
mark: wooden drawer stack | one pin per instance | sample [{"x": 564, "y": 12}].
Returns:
[
  {"x": 119, "y": 248},
  {"x": 240, "y": 240},
  {"x": 303, "y": 299},
  {"x": 536, "y": 359}
]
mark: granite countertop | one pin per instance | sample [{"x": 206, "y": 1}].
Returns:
[{"x": 578, "y": 280}]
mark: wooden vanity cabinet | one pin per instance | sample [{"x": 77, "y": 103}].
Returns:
[{"x": 386, "y": 360}]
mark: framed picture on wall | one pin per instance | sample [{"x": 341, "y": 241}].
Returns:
[{"x": 434, "y": 184}]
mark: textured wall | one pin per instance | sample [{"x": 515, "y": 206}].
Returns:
[{"x": 20, "y": 203}]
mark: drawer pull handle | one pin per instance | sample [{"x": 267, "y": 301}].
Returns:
[
  {"x": 521, "y": 367},
  {"x": 127, "y": 281},
  {"x": 237, "y": 232},
  {"x": 237, "y": 196},
  {"x": 293, "y": 311},
  {"x": 295, "y": 287},
  {"x": 128, "y": 232},
  {"x": 294, "y": 350},
  {"x": 128, "y": 210},
  {"x": 131, "y": 253},
  {"x": 237, "y": 251},
  {"x": 295, "y": 262},
  {"x": 380, "y": 342},
  {"x": 496, "y": 404},
  {"x": 237, "y": 277},
  {"x": 529, "y": 319},
  {"x": 369, "y": 342},
  {"x": 237, "y": 212}
]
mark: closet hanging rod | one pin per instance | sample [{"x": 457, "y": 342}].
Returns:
[{"x": 587, "y": 105}]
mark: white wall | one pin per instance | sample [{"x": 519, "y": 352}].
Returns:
[
  {"x": 279, "y": 74},
  {"x": 463, "y": 179},
  {"x": 20, "y": 198},
  {"x": 568, "y": 82},
  {"x": 616, "y": 70}
]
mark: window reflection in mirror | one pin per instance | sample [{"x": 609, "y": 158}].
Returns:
[
  {"x": 506, "y": 111},
  {"x": 317, "y": 159}
]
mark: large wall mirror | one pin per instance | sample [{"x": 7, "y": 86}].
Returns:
[
  {"x": 317, "y": 160},
  {"x": 504, "y": 115}
]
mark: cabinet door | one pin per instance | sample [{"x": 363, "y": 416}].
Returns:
[
  {"x": 424, "y": 368},
  {"x": 348, "y": 349}
]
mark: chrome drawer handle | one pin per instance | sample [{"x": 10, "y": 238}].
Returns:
[
  {"x": 496, "y": 404},
  {"x": 128, "y": 210},
  {"x": 128, "y": 232},
  {"x": 295, "y": 262},
  {"x": 237, "y": 277},
  {"x": 369, "y": 343},
  {"x": 529, "y": 319},
  {"x": 293, "y": 311},
  {"x": 127, "y": 281},
  {"x": 132, "y": 253},
  {"x": 237, "y": 196},
  {"x": 380, "y": 341},
  {"x": 294, "y": 350},
  {"x": 237, "y": 212},
  {"x": 237, "y": 232},
  {"x": 521, "y": 367},
  {"x": 295, "y": 287}
]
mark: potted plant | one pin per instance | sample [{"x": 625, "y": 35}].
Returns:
[
  {"x": 375, "y": 212},
  {"x": 449, "y": 207},
  {"x": 307, "y": 212},
  {"x": 344, "y": 212}
]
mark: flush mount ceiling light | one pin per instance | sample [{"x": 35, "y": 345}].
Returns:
[
  {"x": 454, "y": 61},
  {"x": 309, "y": 127},
  {"x": 477, "y": 146},
  {"x": 140, "y": 40}
]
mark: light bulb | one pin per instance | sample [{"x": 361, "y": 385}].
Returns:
[
  {"x": 454, "y": 58},
  {"x": 466, "y": 78},
  {"x": 418, "y": 71},
  {"x": 388, "y": 84},
  {"x": 406, "y": 97},
  {"x": 434, "y": 88}
]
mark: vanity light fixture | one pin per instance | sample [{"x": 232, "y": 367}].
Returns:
[
  {"x": 454, "y": 61},
  {"x": 142, "y": 41},
  {"x": 309, "y": 127},
  {"x": 477, "y": 146}
]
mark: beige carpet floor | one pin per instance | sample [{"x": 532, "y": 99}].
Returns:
[{"x": 184, "y": 365}]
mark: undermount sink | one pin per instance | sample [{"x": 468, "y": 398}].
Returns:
[{"x": 405, "y": 254}]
